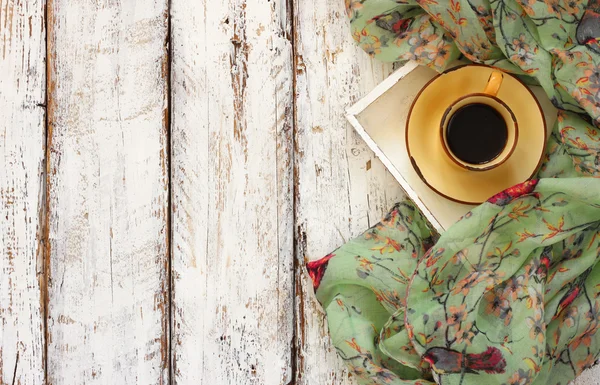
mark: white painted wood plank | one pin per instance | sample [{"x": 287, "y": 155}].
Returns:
[
  {"x": 108, "y": 192},
  {"x": 22, "y": 148},
  {"x": 342, "y": 188},
  {"x": 232, "y": 192}
]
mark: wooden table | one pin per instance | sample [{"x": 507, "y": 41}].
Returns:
[{"x": 168, "y": 165}]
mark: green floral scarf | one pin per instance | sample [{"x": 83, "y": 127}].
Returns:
[{"x": 510, "y": 294}]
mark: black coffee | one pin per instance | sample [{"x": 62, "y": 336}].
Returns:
[{"x": 476, "y": 133}]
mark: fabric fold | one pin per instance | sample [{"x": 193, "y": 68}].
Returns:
[{"x": 510, "y": 293}]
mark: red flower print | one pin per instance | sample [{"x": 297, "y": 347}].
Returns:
[
  {"x": 511, "y": 193},
  {"x": 316, "y": 269}
]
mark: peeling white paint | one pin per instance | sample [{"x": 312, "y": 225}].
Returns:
[
  {"x": 232, "y": 192},
  {"x": 108, "y": 192},
  {"x": 22, "y": 147}
]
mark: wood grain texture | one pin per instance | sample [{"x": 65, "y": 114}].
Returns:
[
  {"x": 22, "y": 148},
  {"x": 232, "y": 192},
  {"x": 108, "y": 192},
  {"x": 342, "y": 189}
]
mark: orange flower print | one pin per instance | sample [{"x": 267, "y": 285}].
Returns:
[
  {"x": 593, "y": 78},
  {"x": 391, "y": 298},
  {"x": 568, "y": 318},
  {"x": 521, "y": 377},
  {"x": 388, "y": 247},
  {"x": 494, "y": 277},
  {"x": 358, "y": 35},
  {"x": 409, "y": 330},
  {"x": 572, "y": 6},
  {"x": 522, "y": 57},
  {"x": 514, "y": 287},
  {"x": 585, "y": 338},
  {"x": 470, "y": 281},
  {"x": 369, "y": 43},
  {"x": 352, "y": 6},
  {"x": 537, "y": 326},
  {"x": 535, "y": 299},
  {"x": 358, "y": 371},
  {"x": 354, "y": 345},
  {"x": 554, "y": 6},
  {"x": 391, "y": 218},
  {"x": 527, "y": 6},
  {"x": 519, "y": 210},
  {"x": 408, "y": 56},
  {"x": 555, "y": 230},
  {"x": 566, "y": 56},
  {"x": 373, "y": 48},
  {"x": 465, "y": 334},
  {"x": 469, "y": 51},
  {"x": 525, "y": 235},
  {"x": 586, "y": 363},
  {"x": 439, "y": 56},
  {"x": 520, "y": 43},
  {"x": 383, "y": 374},
  {"x": 420, "y": 43},
  {"x": 594, "y": 314},
  {"x": 366, "y": 264},
  {"x": 457, "y": 315},
  {"x": 498, "y": 305}
]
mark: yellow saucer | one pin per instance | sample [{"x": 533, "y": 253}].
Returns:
[{"x": 432, "y": 163}]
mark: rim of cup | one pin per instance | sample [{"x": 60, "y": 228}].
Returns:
[{"x": 483, "y": 166}]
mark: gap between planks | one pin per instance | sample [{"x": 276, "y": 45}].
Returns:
[{"x": 298, "y": 241}]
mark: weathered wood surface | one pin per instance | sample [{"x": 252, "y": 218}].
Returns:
[
  {"x": 341, "y": 188},
  {"x": 22, "y": 148},
  {"x": 232, "y": 192},
  {"x": 107, "y": 257}
]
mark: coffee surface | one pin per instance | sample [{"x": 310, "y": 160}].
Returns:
[{"x": 476, "y": 133}]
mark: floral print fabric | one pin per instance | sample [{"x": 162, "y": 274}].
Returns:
[{"x": 510, "y": 294}]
